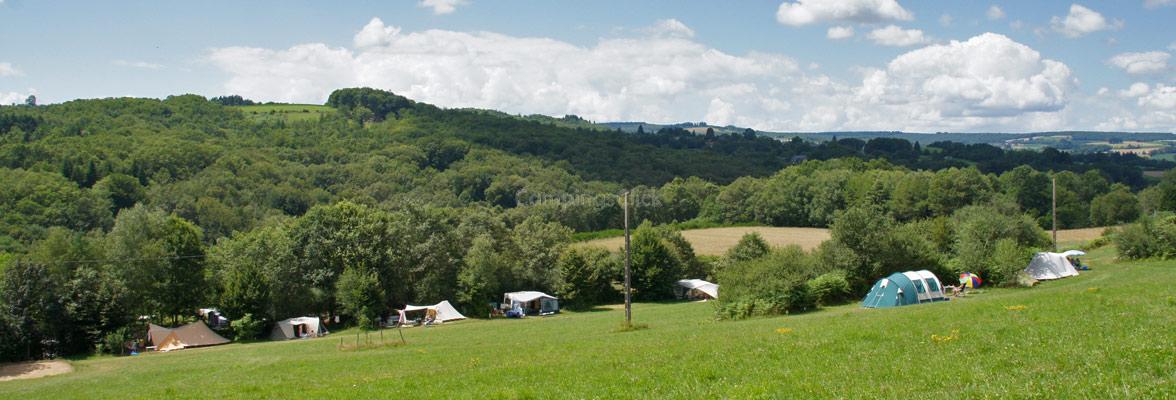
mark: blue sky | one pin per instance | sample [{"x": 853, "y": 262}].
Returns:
[{"x": 910, "y": 65}]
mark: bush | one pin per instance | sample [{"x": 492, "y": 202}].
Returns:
[
  {"x": 1153, "y": 236},
  {"x": 114, "y": 342},
  {"x": 1008, "y": 260},
  {"x": 830, "y": 288},
  {"x": 770, "y": 285},
  {"x": 248, "y": 328}
]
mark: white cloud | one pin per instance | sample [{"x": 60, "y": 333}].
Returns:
[
  {"x": 945, "y": 19},
  {"x": 986, "y": 76},
  {"x": 441, "y": 7},
  {"x": 1135, "y": 90},
  {"x": 1158, "y": 3},
  {"x": 671, "y": 27},
  {"x": 1079, "y": 22},
  {"x": 1141, "y": 63},
  {"x": 10, "y": 98},
  {"x": 7, "y": 69},
  {"x": 136, "y": 64},
  {"x": 804, "y": 12},
  {"x": 994, "y": 12},
  {"x": 988, "y": 82},
  {"x": 892, "y": 35},
  {"x": 675, "y": 80},
  {"x": 1103, "y": 91},
  {"x": 1161, "y": 97},
  {"x": 839, "y": 32}
]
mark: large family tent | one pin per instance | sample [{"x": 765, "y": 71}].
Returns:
[
  {"x": 904, "y": 288},
  {"x": 444, "y": 311},
  {"x": 295, "y": 328},
  {"x": 531, "y": 302},
  {"x": 195, "y": 334},
  {"x": 1046, "y": 266},
  {"x": 697, "y": 289}
]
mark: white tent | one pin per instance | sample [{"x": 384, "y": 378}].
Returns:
[
  {"x": 532, "y": 302},
  {"x": 1073, "y": 253},
  {"x": 699, "y": 285},
  {"x": 1050, "y": 266},
  {"x": 445, "y": 311},
  {"x": 299, "y": 327}
]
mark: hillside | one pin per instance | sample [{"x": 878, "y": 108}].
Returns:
[{"x": 1103, "y": 334}]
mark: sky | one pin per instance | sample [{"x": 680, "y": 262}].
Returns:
[{"x": 794, "y": 65}]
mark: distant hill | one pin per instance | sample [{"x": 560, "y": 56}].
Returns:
[{"x": 921, "y": 138}]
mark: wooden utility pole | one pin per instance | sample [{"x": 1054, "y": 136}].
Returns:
[
  {"x": 628, "y": 262},
  {"x": 1053, "y": 181}
]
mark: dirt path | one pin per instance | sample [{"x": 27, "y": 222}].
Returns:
[{"x": 33, "y": 369}]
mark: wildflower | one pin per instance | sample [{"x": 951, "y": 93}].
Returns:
[
  {"x": 1016, "y": 308},
  {"x": 784, "y": 330}
]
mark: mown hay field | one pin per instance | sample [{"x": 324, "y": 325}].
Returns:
[{"x": 716, "y": 241}]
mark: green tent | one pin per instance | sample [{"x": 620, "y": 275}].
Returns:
[{"x": 903, "y": 288}]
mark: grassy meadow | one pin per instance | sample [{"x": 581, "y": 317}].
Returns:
[
  {"x": 1105, "y": 334},
  {"x": 289, "y": 112}
]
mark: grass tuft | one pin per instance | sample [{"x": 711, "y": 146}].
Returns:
[{"x": 630, "y": 327}]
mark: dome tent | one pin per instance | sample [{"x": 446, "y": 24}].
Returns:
[
  {"x": 904, "y": 288},
  {"x": 1046, "y": 266}
]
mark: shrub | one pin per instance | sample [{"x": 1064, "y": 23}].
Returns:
[
  {"x": 1008, "y": 260},
  {"x": 750, "y": 247},
  {"x": 1152, "y": 236},
  {"x": 248, "y": 328},
  {"x": 830, "y": 288},
  {"x": 114, "y": 342},
  {"x": 770, "y": 285}
]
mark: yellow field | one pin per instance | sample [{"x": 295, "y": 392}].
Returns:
[{"x": 716, "y": 241}]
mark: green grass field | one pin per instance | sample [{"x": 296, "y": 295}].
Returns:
[
  {"x": 1105, "y": 334},
  {"x": 289, "y": 112}
]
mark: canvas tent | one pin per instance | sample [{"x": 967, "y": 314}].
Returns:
[
  {"x": 294, "y": 328},
  {"x": 531, "y": 302},
  {"x": 444, "y": 311},
  {"x": 195, "y": 334},
  {"x": 1046, "y": 266},
  {"x": 904, "y": 288},
  {"x": 698, "y": 288}
]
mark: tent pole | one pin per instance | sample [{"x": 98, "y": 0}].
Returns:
[
  {"x": 1054, "y": 188},
  {"x": 628, "y": 262}
]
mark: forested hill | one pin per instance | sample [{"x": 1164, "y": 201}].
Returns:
[{"x": 76, "y": 164}]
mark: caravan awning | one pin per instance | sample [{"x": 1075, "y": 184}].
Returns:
[
  {"x": 529, "y": 296},
  {"x": 710, "y": 289}
]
